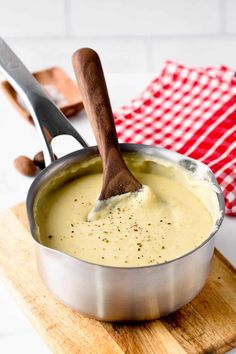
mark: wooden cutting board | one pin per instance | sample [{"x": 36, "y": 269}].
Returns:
[{"x": 206, "y": 325}]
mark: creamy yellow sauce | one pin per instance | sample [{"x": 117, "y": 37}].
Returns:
[{"x": 164, "y": 221}]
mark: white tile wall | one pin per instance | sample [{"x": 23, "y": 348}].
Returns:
[
  {"x": 119, "y": 55},
  {"x": 201, "y": 51},
  {"x": 32, "y": 18},
  {"x": 130, "y": 35},
  {"x": 230, "y": 13},
  {"x": 144, "y": 18}
]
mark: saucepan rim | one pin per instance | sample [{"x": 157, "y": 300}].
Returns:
[{"x": 141, "y": 149}]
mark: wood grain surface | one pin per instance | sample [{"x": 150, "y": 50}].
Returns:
[
  {"x": 206, "y": 325},
  {"x": 117, "y": 179}
]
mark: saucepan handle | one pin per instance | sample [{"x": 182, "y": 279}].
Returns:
[{"x": 49, "y": 120}]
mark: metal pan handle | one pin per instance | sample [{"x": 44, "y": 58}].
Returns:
[{"x": 49, "y": 121}]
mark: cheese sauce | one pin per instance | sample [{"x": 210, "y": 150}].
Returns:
[{"x": 163, "y": 221}]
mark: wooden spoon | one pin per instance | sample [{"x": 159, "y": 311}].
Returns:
[{"x": 117, "y": 179}]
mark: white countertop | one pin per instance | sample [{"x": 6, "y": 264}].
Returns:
[{"x": 17, "y": 137}]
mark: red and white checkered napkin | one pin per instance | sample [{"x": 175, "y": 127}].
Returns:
[{"x": 192, "y": 111}]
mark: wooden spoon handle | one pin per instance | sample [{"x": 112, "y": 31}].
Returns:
[
  {"x": 88, "y": 70},
  {"x": 89, "y": 74}
]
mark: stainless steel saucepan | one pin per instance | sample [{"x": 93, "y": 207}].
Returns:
[{"x": 98, "y": 291}]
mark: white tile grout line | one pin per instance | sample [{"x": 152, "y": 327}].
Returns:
[{"x": 130, "y": 37}]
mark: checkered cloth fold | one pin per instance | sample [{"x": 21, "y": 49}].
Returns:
[{"x": 191, "y": 111}]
